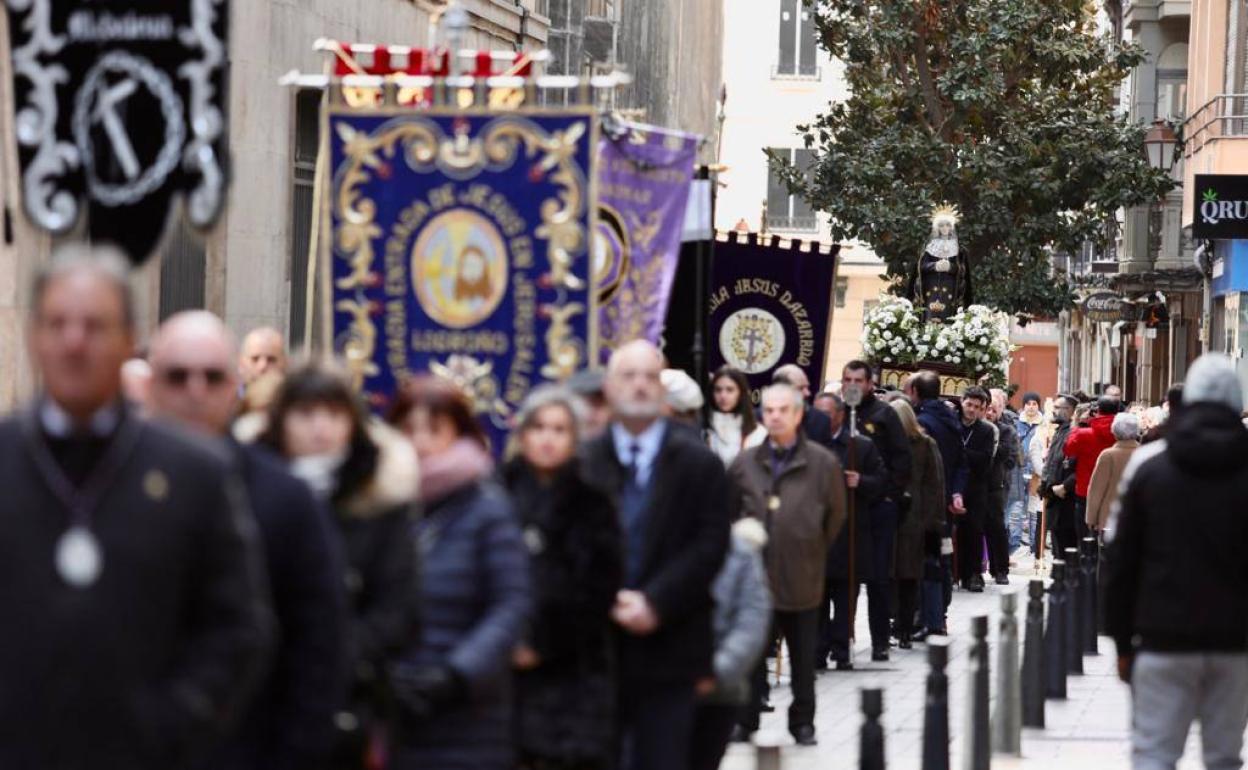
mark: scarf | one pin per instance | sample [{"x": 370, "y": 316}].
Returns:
[
  {"x": 463, "y": 463},
  {"x": 320, "y": 472}
]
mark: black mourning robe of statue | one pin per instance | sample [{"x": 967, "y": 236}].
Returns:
[{"x": 942, "y": 281}]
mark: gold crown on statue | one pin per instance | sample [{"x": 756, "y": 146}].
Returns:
[{"x": 944, "y": 213}]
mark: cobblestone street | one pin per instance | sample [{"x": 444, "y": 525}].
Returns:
[{"x": 1090, "y": 730}]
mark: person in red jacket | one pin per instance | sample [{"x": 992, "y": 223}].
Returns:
[{"x": 1084, "y": 446}]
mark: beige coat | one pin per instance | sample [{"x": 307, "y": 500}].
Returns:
[
  {"x": 811, "y": 512},
  {"x": 1103, "y": 488}
]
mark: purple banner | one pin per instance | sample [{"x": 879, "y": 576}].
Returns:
[
  {"x": 770, "y": 305},
  {"x": 643, "y": 188}
]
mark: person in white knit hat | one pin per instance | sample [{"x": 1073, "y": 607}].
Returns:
[
  {"x": 1176, "y": 589},
  {"x": 684, "y": 400}
]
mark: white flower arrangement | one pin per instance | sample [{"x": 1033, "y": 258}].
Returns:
[{"x": 976, "y": 339}]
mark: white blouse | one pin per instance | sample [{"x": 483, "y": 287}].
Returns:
[{"x": 725, "y": 439}]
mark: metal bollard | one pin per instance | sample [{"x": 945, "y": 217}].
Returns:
[
  {"x": 1007, "y": 724},
  {"x": 977, "y": 753},
  {"x": 871, "y": 744},
  {"x": 1033, "y": 685},
  {"x": 767, "y": 758},
  {"x": 1055, "y": 634},
  {"x": 1074, "y": 613},
  {"x": 936, "y": 708},
  {"x": 1090, "y": 596}
]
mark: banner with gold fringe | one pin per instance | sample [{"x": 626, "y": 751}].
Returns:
[
  {"x": 643, "y": 187},
  {"x": 460, "y": 248}
]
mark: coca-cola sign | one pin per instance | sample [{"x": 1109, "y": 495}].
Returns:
[{"x": 1105, "y": 306}]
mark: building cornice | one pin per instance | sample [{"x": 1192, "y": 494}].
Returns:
[{"x": 1139, "y": 11}]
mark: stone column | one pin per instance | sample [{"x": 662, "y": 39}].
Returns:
[{"x": 1146, "y": 32}]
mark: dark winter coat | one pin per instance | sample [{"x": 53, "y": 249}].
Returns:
[
  {"x": 1085, "y": 445},
  {"x": 817, "y": 427},
  {"x": 565, "y": 707},
  {"x": 373, "y": 506},
  {"x": 979, "y": 440},
  {"x": 812, "y": 510},
  {"x": 289, "y": 724},
  {"x": 878, "y": 422},
  {"x": 1176, "y": 576},
  {"x": 925, "y": 520},
  {"x": 1059, "y": 470},
  {"x": 942, "y": 425},
  {"x": 686, "y": 537},
  {"x": 871, "y": 486},
  {"x": 1008, "y": 456},
  {"x": 147, "y": 666},
  {"x": 475, "y": 602}
]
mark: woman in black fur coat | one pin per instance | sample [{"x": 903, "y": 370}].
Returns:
[{"x": 565, "y": 691}]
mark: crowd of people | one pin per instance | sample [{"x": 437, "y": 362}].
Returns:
[{"x": 219, "y": 558}]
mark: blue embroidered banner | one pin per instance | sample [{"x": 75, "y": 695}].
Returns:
[{"x": 460, "y": 246}]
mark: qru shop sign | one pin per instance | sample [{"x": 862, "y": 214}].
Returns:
[{"x": 1221, "y": 206}]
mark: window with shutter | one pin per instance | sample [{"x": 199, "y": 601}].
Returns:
[
  {"x": 807, "y": 64},
  {"x": 788, "y": 37},
  {"x": 799, "y": 43},
  {"x": 303, "y": 173},
  {"x": 785, "y": 211}
]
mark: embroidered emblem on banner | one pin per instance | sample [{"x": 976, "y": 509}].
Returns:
[
  {"x": 752, "y": 340},
  {"x": 459, "y": 268}
]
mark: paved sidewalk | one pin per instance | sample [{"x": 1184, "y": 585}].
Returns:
[{"x": 1090, "y": 730}]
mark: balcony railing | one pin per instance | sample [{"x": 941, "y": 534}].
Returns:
[
  {"x": 797, "y": 72},
  {"x": 1223, "y": 116},
  {"x": 806, "y": 224}
]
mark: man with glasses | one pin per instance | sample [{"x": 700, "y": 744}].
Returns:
[
  {"x": 1057, "y": 482},
  {"x": 289, "y": 724},
  {"x": 133, "y": 588}
]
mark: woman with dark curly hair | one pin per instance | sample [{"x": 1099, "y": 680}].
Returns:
[{"x": 367, "y": 474}]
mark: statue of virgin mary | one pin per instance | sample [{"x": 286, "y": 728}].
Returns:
[{"x": 942, "y": 280}]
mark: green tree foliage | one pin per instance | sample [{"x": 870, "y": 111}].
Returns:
[{"x": 1004, "y": 108}]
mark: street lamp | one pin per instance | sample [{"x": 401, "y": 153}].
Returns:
[{"x": 1159, "y": 143}]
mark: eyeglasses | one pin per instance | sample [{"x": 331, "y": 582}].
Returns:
[{"x": 179, "y": 376}]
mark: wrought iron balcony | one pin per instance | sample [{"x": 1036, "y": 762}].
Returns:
[{"x": 1223, "y": 116}]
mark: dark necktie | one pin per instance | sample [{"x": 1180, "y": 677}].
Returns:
[{"x": 634, "y": 464}]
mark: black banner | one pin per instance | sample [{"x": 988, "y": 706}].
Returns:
[
  {"x": 121, "y": 105},
  {"x": 1221, "y": 207},
  {"x": 770, "y": 305}
]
